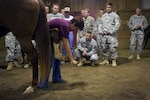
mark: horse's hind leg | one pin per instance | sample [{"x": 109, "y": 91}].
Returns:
[
  {"x": 33, "y": 57},
  {"x": 145, "y": 42}
]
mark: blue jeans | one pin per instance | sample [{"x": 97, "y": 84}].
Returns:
[
  {"x": 70, "y": 43},
  {"x": 55, "y": 65}
]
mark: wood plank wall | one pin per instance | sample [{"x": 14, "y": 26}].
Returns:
[{"x": 77, "y": 5}]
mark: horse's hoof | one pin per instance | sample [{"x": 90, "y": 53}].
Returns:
[{"x": 29, "y": 90}]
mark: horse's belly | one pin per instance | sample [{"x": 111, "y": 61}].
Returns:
[{"x": 19, "y": 13}]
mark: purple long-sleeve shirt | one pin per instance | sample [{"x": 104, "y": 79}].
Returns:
[{"x": 62, "y": 25}]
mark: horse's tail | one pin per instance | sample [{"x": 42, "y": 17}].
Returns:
[{"x": 43, "y": 43}]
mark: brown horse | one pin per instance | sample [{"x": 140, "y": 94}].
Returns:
[
  {"x": 25, "y": 18},
  {"x": 147, "y": 36}
]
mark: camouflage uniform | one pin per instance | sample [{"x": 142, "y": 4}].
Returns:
[
  {"x": 110, "y": 26},
  {"x": 89, "y": 23},
  {"x": 80, "y": 34},
  {"x": 137, "y": 35},
  {"x": 13, "y": 47},
  {"x": 97, "y": 30},
  {"x": 89, "y": 46},
  {"x": 52, "y": 16}
]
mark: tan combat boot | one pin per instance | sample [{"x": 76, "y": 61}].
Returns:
[
  {"x": 80, "y": 63},
  {"x": 26, "y": 66},
  {"x": 105, "y": 62},
  {"x": 114, "y": 63},
  {"x": 10, "y": 66},
  {"x": 130, "y": 57},
  {"x": 138, "y": 57},
  {"x": 16, "y": 64}
]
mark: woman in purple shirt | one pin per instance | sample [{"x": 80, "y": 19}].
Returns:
[{"x": 63, "y": 28}]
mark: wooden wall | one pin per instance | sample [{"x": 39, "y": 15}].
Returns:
[{"x": 77, "y": 5}]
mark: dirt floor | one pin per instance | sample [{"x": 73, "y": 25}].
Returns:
[{"x": 130, "y": 80}]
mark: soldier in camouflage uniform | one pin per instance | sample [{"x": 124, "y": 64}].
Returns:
[
  {"x": 97, "y": 30},
  {"x": 13, "y": 50},
  {"x": 89, "y": 22},
  {"x": 87, "y": 48},
  {"x": 55, "y": 13},
  {"x": 110, "y": 26},
  {"x": 137, "y": 23}
]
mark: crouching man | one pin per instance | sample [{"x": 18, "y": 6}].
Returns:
[{"x": 87, "y": 48}]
